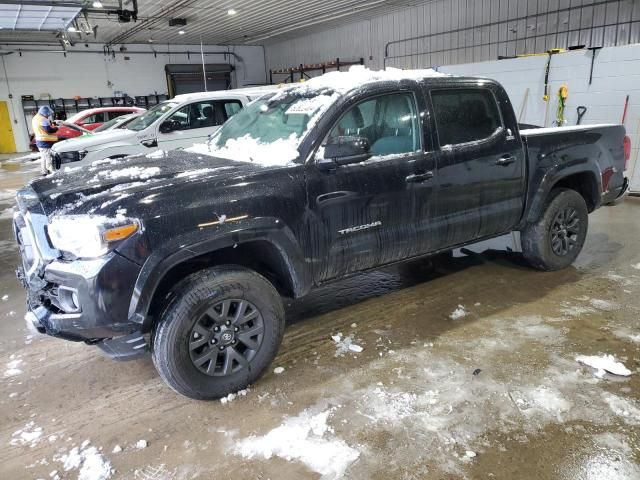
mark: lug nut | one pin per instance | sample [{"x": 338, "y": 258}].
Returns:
[
  {"x": 214, "y": 341},
  {"x": 216, "y": 329},
  {"x": 236, "y": 329},
  {"x": 221, "y": 347},
  {"x": 227, "y": 323}
]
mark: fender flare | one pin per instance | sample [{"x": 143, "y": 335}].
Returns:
[
  {"x": 542, "y": 185},
  {"x": 194, "y": 244}
]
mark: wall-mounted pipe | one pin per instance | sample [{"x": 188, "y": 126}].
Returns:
[{"x": 128, "y": 52}]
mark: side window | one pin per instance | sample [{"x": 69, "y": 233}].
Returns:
[
  {"x": 195, "y": 115},
  {"x": 389, "y": 122},
  {"x": 116, "y": 114},
  {"x": 465, "y": 115},
  {"x": 95, "y": 118},
  {"x": 231, "y": 108}
]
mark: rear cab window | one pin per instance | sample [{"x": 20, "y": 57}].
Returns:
[{"x": 465, "y": 115}]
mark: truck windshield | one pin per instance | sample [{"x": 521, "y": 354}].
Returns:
[
  {"x": 269, "y": 131},
  {"x": 151, "y": 116}
]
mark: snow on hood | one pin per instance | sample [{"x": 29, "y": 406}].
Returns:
[
  {"x": 248, "y": 149},
  {"x": 89, "y": 142}
]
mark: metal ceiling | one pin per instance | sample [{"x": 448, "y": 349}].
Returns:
[{"x": 255, "y": 21}]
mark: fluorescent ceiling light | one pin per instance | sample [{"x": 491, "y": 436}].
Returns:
[
  {"x": 231, "y": 11},
  {"x": 181, "y": 32},
  {"x": 97, "y": 4},
  {"x": 71, "y": 28}
]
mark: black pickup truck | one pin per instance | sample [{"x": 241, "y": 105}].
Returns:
[{"x": 189, "y": 253}]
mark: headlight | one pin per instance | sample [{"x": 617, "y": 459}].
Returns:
[{"x": 88, "y": 237}]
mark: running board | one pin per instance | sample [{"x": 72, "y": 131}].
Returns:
[{"x": 122, "y": 349}]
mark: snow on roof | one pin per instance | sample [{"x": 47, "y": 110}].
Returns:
[
  {"x": 247, "y": 92},
  {"x": 358, "y": 75}
]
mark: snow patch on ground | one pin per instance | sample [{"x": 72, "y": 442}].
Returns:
[
  {"x": 458, "y": 313},
  {"x": 29, "y": 435},
  {"x": 278, "y": 370},
  {"x": 344, "y": 345},
  {"x": 232, "y": 396},
  {"x": 306, "y": 438},
  {"x": 623, "y": 407},
  {"x": 88, "y": 461},
  {"x": 12, "y": 369},
  {"x": 605, "y": 305},
  {"x": 604, "y": 363}
]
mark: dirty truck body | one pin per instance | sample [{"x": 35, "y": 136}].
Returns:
[{"x": 202, "y": 247}]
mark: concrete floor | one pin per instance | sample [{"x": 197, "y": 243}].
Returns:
[{"x": 407, "y": 407}]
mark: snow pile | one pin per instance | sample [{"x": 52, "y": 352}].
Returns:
[
  {"x": 157, "y": 154},
  {"x": 604, "y": 363},
  {"x": 197, "y": 173},
  {"x": 130, "y": 172},
  {"x": 29, "y": 435},
  {"x": 278, "y": 370},
  {"x": 359, "y": 75},
  {"x": 458, "y": 313},
  {"x": 232, "y": 396},
  {"x": 636, "y": 266},
  {"x": 623, "y": 407},
  {"x": 12, "y": 368},
  {"x": 140, "y": 444},
  {"x": 249, "y": 149},
  {"x": 91, "y": 465},
  {"x": 344, "y": 345},
  {"x": 306, "y": 438}
]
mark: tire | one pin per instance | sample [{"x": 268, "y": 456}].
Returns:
[
  {"x": 548, "y": 244},
  {"x": 225, "y": 298}
]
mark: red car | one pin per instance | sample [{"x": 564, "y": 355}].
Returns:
[{"x": 90, "y": 119}]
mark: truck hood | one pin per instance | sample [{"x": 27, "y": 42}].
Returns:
[
  {"x": 98, "y": 140},
  {"x": 100, "y": 188}
]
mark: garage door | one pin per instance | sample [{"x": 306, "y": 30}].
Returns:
[{"x": 188, "y": 78}]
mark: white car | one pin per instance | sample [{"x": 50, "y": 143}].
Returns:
[{"x": 173, "y": 124}]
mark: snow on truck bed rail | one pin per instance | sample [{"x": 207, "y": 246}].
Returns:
[{"x": 574, "y": 128}]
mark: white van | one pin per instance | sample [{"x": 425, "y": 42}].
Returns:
[{"x": 170, "y": 125}]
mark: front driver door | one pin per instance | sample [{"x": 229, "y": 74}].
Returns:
[
  {"x": 362, "y": 215},
  {"x": 192, "y": 124}
]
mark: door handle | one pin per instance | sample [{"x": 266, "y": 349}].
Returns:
[
  {"x": 419, "y": 177},
  {"x": 506, "y": 160}
]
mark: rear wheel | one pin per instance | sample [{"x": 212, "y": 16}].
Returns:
[
  {"x": 219, "y": 331},
  {"x": 556, "y": 239}
]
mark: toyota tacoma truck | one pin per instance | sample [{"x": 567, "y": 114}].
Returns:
[{"x": 188, "y": 254}]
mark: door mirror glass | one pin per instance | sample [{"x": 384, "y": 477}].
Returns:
[{"x": 344, "y": 150}]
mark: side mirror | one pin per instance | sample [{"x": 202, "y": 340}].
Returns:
[
  {"x": 345, "y": 151},
  {"x": 168, "y": 126}
]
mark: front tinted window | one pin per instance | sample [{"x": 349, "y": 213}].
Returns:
[
  {"x": 389, "y": 122},
  {"x": 195, "y": 115},
  {"x": 150, "y": 116},
  {"x": 95, "y": 118},
  {"x": 465, "y": 115}
]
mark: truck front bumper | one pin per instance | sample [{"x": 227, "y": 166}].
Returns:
[{"x": 82, "y": 300}]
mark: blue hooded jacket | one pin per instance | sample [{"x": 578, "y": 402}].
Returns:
[{"x": 43, "y": 129}]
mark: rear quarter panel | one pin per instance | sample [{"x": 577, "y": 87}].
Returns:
[{"x": 555, "y": 154}]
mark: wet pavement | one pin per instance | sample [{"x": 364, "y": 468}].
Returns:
[{"x": 467, "y": 370}]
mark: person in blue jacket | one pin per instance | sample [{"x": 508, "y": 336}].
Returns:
[{"x": 45, "y": 132}]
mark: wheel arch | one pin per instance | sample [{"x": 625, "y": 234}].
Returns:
[
  {"x": 264, "y": 255},
  {"x": 586, "y": 182}
]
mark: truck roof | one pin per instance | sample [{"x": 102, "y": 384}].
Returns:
[{"x": 250, "y": 92}]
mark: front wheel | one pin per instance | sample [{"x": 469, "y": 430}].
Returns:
[
  {"x": 218, "y": 332},
  {"x": 556, "y": 239}
]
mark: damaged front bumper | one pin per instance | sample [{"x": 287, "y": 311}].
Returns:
[{"x": 79, "y": 300}]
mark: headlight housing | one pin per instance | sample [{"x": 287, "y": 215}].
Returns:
[{"x": 87, "y": 236}]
